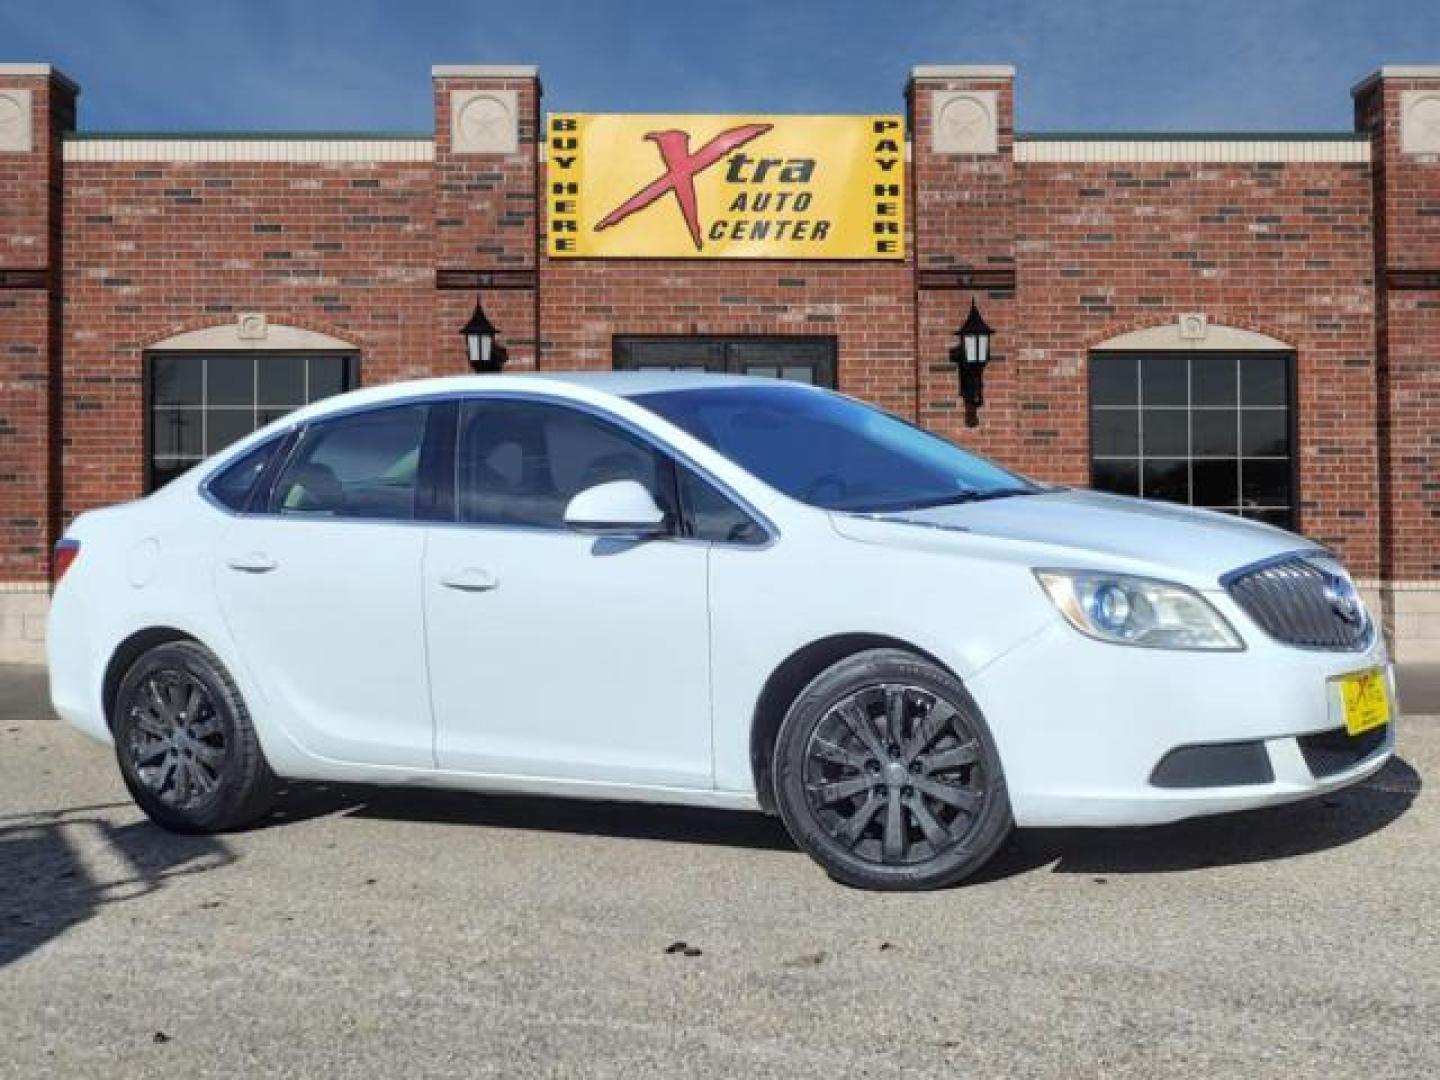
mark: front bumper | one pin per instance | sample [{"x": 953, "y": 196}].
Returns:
[{"x": 1082, "y": 726}]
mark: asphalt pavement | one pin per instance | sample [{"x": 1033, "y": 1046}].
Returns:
[{"x": 396, "y": 933}]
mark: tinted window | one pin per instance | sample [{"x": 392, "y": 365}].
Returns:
[
  {"x": 365, "y": 465},
  {"x": 201, "y": 403},
  {"x": 233, "y": 485},
  {"x": 520, "y": 463},
  {"x": 712, "y": 515},
  {"x": 1207, "y": 429},
  {"x": 830, "y": 451}
]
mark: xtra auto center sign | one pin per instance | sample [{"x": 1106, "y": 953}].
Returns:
[{"x": 731, "y": 187}]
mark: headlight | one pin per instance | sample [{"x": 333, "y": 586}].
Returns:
[{"x": 1140, "y": 611}]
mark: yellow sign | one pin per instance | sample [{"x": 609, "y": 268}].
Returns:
[{"x": 726, "y": 187}]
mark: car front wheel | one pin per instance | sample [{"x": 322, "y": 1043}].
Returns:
[
  {"x": 886, "y": 773},
  {"x": 185, "y": 744}
]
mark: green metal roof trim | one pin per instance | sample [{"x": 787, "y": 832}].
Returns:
[
  {"x": 252, "y": 136},
  {"x": 1191, "y": 136}
]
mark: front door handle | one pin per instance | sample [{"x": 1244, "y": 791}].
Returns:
[
  {"x": 470, "y": 579},
  {"x": 253, "y": 562}
]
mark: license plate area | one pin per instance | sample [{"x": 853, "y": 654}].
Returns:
[{"x": 1364, "y": 701}]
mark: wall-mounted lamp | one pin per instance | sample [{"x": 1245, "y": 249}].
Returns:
[
  {"x": 483, "y": 352},
  {"x": 971, "y": 355}
]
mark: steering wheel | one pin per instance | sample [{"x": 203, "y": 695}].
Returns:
[{"x": 837, "y": 487}]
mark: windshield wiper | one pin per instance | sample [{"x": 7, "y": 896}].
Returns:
[{"x": 943, "y": 500}]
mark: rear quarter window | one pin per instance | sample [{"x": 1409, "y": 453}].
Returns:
[{"x": 233, "y": 485}]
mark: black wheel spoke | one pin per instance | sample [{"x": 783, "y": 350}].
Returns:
[
  {"x": 837, "y": 755},
  {"x": 851, "y": 830},
  {"x": 958, "y": 797},
  {"x": 929, "y": 728},
  {"x": 826, "y": 794},
  {"x": 936, "y": 833},
  {"x": 894, "y": 842},
  {"x": 956, "y": 758},
  {"x": 895, "y": 715},
  {"x": 859, "y": 724}
]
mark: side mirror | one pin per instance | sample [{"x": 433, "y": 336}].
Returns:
[{"x": 616, "y": 508}]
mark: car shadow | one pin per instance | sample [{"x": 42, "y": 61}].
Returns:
[
  {"x": 1251, "y": 836},
  {"x": 47, "y": 886}
]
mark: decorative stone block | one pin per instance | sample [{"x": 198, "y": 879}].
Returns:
[
  {"x": 16, "y": 128},
  {"x": 1420, "y": 122},
  {"x": 484, "y": 122},
  {"x": 965, "y": 122},
  {"x": 1194, "y": 326},
  {"x": 252, "y": 326}
]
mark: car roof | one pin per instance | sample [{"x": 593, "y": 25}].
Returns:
[{"x": 571, "y": 384}]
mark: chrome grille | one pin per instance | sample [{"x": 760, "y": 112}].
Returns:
[{"x": 1302, "y": 600}]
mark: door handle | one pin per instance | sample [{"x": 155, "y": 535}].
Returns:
[
  {"x": 254, "y": 562},
  {"x": 470, "y": 579}
]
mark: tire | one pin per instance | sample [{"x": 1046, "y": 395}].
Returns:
[
  {"x": 921, "y": 807},
  {"x": 186, "y": 747}
]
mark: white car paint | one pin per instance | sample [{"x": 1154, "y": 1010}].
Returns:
[{"x": 548, "y": 661}]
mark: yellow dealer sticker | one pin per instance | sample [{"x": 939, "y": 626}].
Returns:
[
  {"x": 1364, "y": 701},
  {"x": 725, "y": 187}
]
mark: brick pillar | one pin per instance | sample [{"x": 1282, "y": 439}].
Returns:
[
  {"x": 486, "y": 205},
  {"x": 963, "y": 206},
  {"x": 1400, "y": 108},
  {"x": 37, "y": 105}
]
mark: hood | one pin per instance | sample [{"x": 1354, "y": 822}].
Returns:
[{"x": 1103, "y": 531}]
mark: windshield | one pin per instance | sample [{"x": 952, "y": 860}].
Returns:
[{"x": 830, "y": 451}]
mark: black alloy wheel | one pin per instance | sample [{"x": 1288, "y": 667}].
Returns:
[{"x": 887, "y": 774}]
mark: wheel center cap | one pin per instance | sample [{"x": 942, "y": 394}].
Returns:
[{"x": 896, "y": 774}]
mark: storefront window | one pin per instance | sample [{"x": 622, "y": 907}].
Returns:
[
  {"x": 1205, "y": 429},
  {"x": 795, "y": 359},
  {"x": 200, "y": 403}
]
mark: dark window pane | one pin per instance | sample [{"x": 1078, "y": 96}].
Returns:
[
  {"x": 683, "y": 354},
  {"x": 177, "y": 432},
  {"x": 1265, "y": 432},
  {"x": 363, "y": 465},
  {"x": 1115, "y": 432},
  {"x": 225, "y": 426},
  {"x": 232, "y": 486},
  {"x": 521, "y": 464},
  {"x": 1213, "y": 433},
  {"x": 1213, "y": 381},
  {"x": 1119, "y": 477},
  {"x": 230, "y": 382},
  {"x": 1163, "y": 381},
  {"x": 798, "y": 373},
  {"x": 176, "y": 381},
  {"x": 1283, "y": 519},
  {"x": 281, "y": 382},
  {"x": 1168, "y": 479},
  {"x": 763, "y": 371},
  {"x": 269, "y": 416},
  {"x": 1166, "y": 432},
  {"x": 1217, "y": 483},
  {"x": 1265, "y": 483},
  {"x": 1264, "y": 380},
  {"x": 1113, "y": 380},
  {"x": 163, "y": 470},
  {"x": 714, "y": 516},
  {"x": 330, "y": 375}
]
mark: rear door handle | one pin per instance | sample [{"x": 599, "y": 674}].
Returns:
[
  {"x": 254, "y": 562},
  {"x": 470, "y": 579}
]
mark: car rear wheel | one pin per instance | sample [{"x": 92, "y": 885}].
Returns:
[
  {"x": 185, "y": 744},
  {"x": 886, "y": 773}
]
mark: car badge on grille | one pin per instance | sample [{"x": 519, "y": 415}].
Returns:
[{"x": 1343, "y": 598}]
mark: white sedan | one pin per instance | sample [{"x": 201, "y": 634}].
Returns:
[{"x": 717, "y": 591}]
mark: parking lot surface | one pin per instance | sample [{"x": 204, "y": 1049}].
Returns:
[{"x": 369, "y": 932}]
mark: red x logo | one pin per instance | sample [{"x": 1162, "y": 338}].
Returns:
[{"x": 681, "y": 168}]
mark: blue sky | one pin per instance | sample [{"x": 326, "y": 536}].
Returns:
[{"x": 364, "y": 64}]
